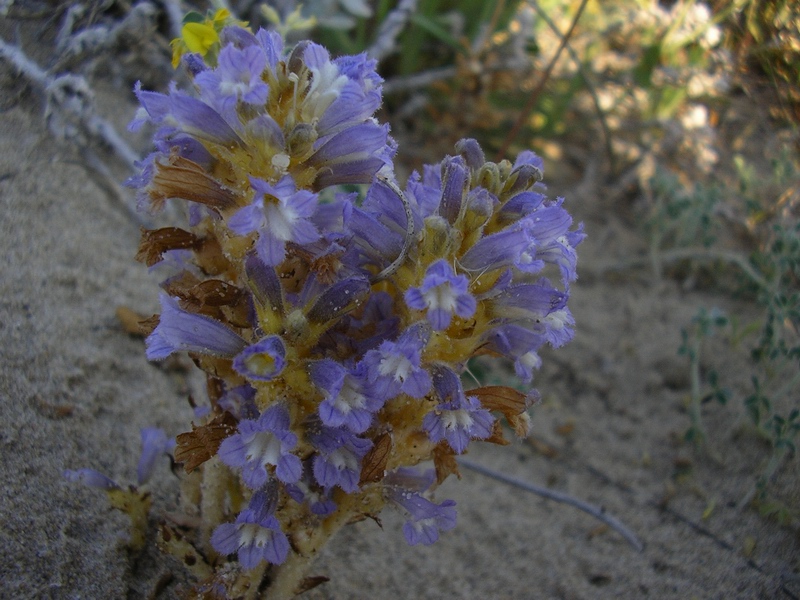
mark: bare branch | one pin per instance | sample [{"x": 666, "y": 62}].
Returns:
[
  {"x": 598, "y": 512},
  {"x": 392, "y": 26}
]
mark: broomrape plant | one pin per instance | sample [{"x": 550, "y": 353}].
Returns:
[{"x": 332, "y": 330}]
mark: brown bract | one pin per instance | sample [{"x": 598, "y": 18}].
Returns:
[
  {"x": 374, "y": 464},
  {"x": 157, "y": 241},
  {"x": 179, "y": 177},
  {"x": 510, "y": 402},
  {"x": 444, "y": 461},
  {"x": 201, "y": 443}
]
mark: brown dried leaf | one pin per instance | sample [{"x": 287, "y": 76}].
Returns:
[
  {"x": 501, "y": 398},
  {"x": 521, "y": 424},
  {"x": 444, "y": 460},
  {"x": 510, "y": 402},
  {"x": 179, "y": 177},
  {"x": 131, "y": 321},
  {"x": 221, "y": 301},
  {"x": 374, "y": 464},
  {"x": 497, "y": 436},
  {"x": 146, "y": 326},
  {"x": 238, "y": 314},
  {"x": 157, "y": 241},
  {"x": 215, "y": 292},
  {"x": 215, "y": 387},
  {"x": 543, "y": 448},
  {"x": 181, "y": 284},
  {"x": 566, "y": 429},
  {"x": 211, "y": 258},
  {"x": 309, "y": 583},
  {"x": 201, "y": 443}
]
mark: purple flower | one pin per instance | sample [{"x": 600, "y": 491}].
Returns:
[
  {"x": 528, "y": 157},
  {"x": 425, "y": 519},
  {"x": 240, "y": 402},
  {"x": 353, "y": 155},
  {"x": 375, "y": 240},
  {"x": 518, "y": 343},
  {"x": 520, "y": 205},
  {"x": 154, "y": 443},
  {"x": 387, "y": 208},
  {"x": 357, "y": 98},
  {"x": 267, "y": 442},
  {"x": 339, "y": 458},
  {"x": 427, "y": 193},
  {"x": 279, "y": 214},
  {"x": 255, "y": 535},
  {"x": 91, "y": 478},
  {"x": 531, "y": 301},
  {"x": 472, "y": 153},
  {"x": 332, "y": 301},
  {"x": 458, "y": 418},
  {"x": 272, "y": 42},
  {"x": 395, "y": 367},
  {"x": 512, "y": 246},
  {"x": 191, "y": 115},
  {"x": 179, "y": 330},
  {"x": 558, "y": 327},
  {"x": 349, "y": 402},
  {"x": 263, "y": 361},
  {"x": 455, "y": 183},
  {"x": 561, "y": 251},
  {"x": 375, "y": 323},
  {"x": 442, "y": 294},
  {"x": 319, "y": 501},
  {"x": 237, "y": 77},
  {"x": 342, "y": 93},
  {"x": 340, "y": 100}
]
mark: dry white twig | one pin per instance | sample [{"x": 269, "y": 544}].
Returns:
[
  {"x": 175, "y": 16},
  {"x": 393, "y": 24},
  {"x": 598, "y": 512},
  {"x": 70, "y": 105},
  {"x": 72, "y": 47},
  {"x": 70, "y": 115},
  {"x": 419, "y": 80}
]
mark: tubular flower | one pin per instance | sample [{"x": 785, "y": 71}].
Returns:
[
  {"x": 266, "y": 442},
  {"x": 339, "y": 459},
  {"x": 442, "y": 294},
  {"x": 255, "y": 536},
  {"x": 263, "y": 360},
  {"x": 179, "y": 330},
  {"x": 424, "y": 519},
  {"x": 279, "y": 214}
]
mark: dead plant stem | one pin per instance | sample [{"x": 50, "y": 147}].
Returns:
[
  {"x": 598, "y": 512},
  {"x": 536, "y": 92}
]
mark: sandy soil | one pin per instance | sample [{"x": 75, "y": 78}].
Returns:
[{"x": 75, "y": 389}]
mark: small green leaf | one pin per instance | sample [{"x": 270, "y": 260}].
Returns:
[
  {"x": 193, "y": 17},
  {"x": 651, "y": 57}
]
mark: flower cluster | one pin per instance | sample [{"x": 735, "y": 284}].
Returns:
[{"x": 333, "y": 330}]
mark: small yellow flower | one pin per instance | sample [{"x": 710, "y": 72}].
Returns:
[{"x": 201, "y": 35}]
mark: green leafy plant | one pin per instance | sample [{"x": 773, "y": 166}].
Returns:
[
  {"x": 704, "y": 324},
  {"x": 772, "y": 279}
]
